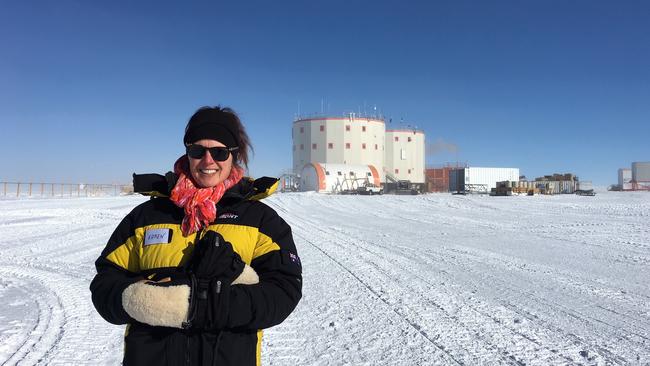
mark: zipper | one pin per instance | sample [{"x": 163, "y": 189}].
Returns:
[{"x": 187, "y": 351}]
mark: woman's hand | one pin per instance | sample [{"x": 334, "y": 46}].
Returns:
[
  {"x": 159, "y": 303},
  {"x": 214, "y": 267}
]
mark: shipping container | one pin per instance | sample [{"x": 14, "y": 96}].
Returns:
[
  {"x": 585, "y": 186},
  {"x": 457, "y": 180},
  {"x": 567, "y": 187},
  {"x": 624, "y": 176},
  {"x": 437, "y": 179},
  {"x": 480, "y": 179}
]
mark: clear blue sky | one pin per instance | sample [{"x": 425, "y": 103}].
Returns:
[{"x": 93, "y": 91}]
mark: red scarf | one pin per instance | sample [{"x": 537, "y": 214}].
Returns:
[{"x": 199, "y": 204}]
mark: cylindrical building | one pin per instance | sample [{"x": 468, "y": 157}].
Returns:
[
  {"x": 405, "y": 154},
  {"x": 641, "y": 171},
  {"x": 624, "y": 176},
  {"x": 347, "y": 140}
]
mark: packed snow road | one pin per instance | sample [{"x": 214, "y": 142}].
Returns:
[{"x": 388, "y": 280}]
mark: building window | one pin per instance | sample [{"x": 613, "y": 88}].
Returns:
[
  {"x": 363, "y": 128},
  {"x": 363, "y": 146},
  {"x": 376, "y": 147},
  {"x": 409, "y": 139},
  {"x": 403, "y": 154},
  {"x": 327, "y": 172},
  {"x": 409, "y": 171},
  {"x": 347, "y": 145},
  {"x": 351, "y": 174},
  {"x": 302, "y": 130},
  {"x": 396, "y": 171},
  {"x": 396, "y": 138},
  {"x": 313, "y": 146},
  {"x": 347, "y": 127},
  {"x": 339, "y": 173},
  {"x": 302, "y": 147},
  {"x": 322, "y": 128},
  {"x": 330, "y": 145}
]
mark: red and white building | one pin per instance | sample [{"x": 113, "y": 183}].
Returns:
[{"x": 362, "y": 143}]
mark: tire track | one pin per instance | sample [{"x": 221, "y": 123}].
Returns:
[
  {"x": 575, "y": 346},
  {"x": 550, "y": 335},
  {"x": 47, "y": 330},
  {"x": 461, "y": 358},
  {"x": 66, "y": 320},
  {"x": 378, "y": 296}
]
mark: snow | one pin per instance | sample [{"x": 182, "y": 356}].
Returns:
[{"x": 388, "y": 280}]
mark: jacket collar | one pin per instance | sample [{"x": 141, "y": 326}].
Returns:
[{"x": 250, "y": 189}]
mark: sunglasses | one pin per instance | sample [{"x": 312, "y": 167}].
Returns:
[{"x": 218, "y": 153}]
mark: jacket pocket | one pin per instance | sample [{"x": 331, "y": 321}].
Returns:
[
  {"x": 145, "y": 345},
  {"x": 238, "y": 348}
]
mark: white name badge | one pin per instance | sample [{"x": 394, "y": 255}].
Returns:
[{"x": 157, "y": 236}]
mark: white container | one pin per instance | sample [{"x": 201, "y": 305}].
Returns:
[
  {"x": 624, "y": 176},
  {"x": 479, "y": 178},
  {"x": 568, "y": 187},
  {"x": 585, "y": 185}
]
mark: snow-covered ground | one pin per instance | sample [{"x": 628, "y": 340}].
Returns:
[{"x": 388, "y": 280}]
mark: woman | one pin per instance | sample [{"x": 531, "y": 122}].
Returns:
[{"x": 197, "y": 275}]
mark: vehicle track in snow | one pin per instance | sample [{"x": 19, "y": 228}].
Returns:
[
  {"x": 378, "y": 295},
  {"x": 66, "y": 320},
  {"x": 469, "y": 260},
  {"x": 454, "y": 348},
  {"x": 544, "y": 330},
  {"x": 533, "y": 314},
  {"x": 453, "y": 333},
  {"x": 48, "y": 256},
  {"x": 388, "y": 280},
  {"x": 45, "y": 332}
]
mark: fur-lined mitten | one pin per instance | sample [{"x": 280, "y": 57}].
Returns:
[{"x": 158, "y": 304}]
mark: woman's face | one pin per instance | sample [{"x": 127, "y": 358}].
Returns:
[{"x": 206, "y": 171}]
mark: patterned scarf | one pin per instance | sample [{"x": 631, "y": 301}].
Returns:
[{"x": 198, "y": 203}]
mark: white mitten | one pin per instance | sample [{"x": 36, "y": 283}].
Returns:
[
  {"x": 247, "y": 277},
  {"x": 157, "y": 305}
]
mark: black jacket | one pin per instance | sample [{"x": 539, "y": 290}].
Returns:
[{"x": 261, "y": 238}]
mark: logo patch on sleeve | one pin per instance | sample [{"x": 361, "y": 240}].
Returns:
[
  {"x": 228, "y": 215},
  {"x": 292, "y": 258},
  {"x": 157, "y": 236}
]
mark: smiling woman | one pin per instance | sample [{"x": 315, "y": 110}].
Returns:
[{"x": 197, "y": 288}]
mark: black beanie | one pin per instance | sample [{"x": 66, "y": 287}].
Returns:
[{"x": 214, "y": 124}]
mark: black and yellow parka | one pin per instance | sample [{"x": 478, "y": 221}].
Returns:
[{"x": 260, "y": 237}]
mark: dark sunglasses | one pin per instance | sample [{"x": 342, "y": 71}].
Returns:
[{"x": 219, "y": 153}]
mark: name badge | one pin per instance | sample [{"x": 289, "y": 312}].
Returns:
[{"x": 157, "y": 236}]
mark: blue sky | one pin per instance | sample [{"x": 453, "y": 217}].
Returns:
[{"x": 93, "y": 91}]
